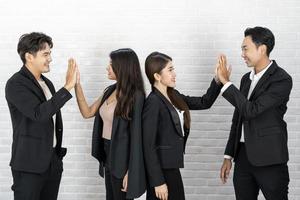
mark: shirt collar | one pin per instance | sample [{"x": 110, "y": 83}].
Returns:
[{"x": 261, "y": 73}]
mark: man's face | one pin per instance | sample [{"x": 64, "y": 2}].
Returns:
[
  {"x": 41, "y": 60},
  {"x": 250, "y": 52}
]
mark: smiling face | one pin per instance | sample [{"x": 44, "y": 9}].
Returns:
[
  {"x": 40, "y": 61},
  {"x": 110, "y": 72},
  {"x": 251, "y": 53},
  {"x": 167, "y": 75}
]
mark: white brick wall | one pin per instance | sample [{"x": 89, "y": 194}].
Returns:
[{"x": 193, "y": 32}]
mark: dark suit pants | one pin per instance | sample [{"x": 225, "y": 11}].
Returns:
[
  {"x": 113, "y": 185},
  {"x": 248, "y": 179},
  {"x": 33, "y": 186}
]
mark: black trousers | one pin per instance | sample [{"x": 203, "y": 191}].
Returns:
[
  {"x": 248, "y": 179},
  {"x": 113, "y": 184},
  {"x": 174, "y": 183},
  {"x": 32, "y": 186}
]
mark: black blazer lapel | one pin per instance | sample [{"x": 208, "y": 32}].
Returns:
[
  {"x": 172, "y": 111},
  {"x": 37, "y": 90},
  {"x": 264, "y": 78},
  {"x": 246, "y": 86}
]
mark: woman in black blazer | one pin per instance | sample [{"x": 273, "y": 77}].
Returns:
[
  {"x": 166, "y": 125},
  {"x": 117, "y": 132}
]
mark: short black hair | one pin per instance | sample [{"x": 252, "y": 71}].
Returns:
[
  {"x": 260, "y": 36},
  {"x": 32, "y": 43}
]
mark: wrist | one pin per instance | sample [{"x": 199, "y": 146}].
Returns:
[
  {"x": 225, "y": 81},
  {"x": 68, "y": 87},
  {"x": 217, "y": 80},
  {"x": 77, "y": 84}
]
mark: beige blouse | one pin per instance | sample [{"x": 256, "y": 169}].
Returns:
[{"x": 107, "y": 114}]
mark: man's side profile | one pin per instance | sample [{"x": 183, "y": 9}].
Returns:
[
  {"x": 258, "y": 135},
  {"x": 36, "y": 154}
]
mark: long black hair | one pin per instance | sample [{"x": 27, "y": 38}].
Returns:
[{"x": 126, "y": 66}]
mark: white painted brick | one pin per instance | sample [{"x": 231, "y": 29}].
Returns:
[{"x": 192, "y": 32}]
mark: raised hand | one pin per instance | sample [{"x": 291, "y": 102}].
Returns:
[
  {"x": 78, "y": 75},
  {"x": 223, "y": 70},
  {"x": 71, "y": 76}
]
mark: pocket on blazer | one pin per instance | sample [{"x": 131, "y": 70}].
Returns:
[
  {"x": 163, "y": 147},
  {"x": 31, "y": 136},
  {"x": 269, "y": 131}
]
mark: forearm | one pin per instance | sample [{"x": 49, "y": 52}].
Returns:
[
  {"x": 31, "y": 106},
  {"x": 205, "y": 101},
  {"x": 84, "y": 108}
]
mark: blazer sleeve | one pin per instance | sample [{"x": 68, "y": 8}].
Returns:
[
  {"x": 206, "y": 101},
  {"x": 230, "y": 147},
  {"x": 136, "y": 168},
  {"x": 276, "y": 94},
  {"x": 150, "y": 129},
  {"x": 30, "y": 105},
  {"x": 229, "y": 150}
]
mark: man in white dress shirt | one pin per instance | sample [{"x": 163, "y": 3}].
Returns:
[{"x": 258, "y": 135}]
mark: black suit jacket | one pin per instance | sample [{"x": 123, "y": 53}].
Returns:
[
  {"x": 33, "y": 127},
  {"x": 265, "y": 130},
  {"x": 163, "y": 140},
  {"x": 126, "y": 146}
]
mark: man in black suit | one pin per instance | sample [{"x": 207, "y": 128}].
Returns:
[
  {"x": 258, "y": 136},
  {"x": 34, "y": 106}
]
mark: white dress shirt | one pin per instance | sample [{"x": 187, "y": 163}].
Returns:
[
  {"x": 254, "y": 80},
  {"x": 180, "y": 115}
]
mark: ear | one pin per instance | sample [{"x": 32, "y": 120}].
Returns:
[
  {"x": 263, "y": 49},
  {"x": 28, "y": 57},
  {"x": 156, "y": 77}
]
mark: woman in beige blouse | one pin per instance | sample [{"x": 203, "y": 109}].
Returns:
[{"x": 117, "y": 137}]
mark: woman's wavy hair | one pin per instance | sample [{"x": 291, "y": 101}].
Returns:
[{"x": 126, "y": 66}]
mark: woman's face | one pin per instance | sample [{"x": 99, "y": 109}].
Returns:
[
  {"x": 110, "y": 73},
  {"x": 167, "y": 75}
]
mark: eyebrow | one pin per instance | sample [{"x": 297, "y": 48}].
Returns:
[{"x": 243, "y": 46}]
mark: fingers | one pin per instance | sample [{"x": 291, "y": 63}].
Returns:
[
  {"x": 227, "y": 173},
  {"x": 71, "y": 64},
  {"x": 222, "y": 175},
  {"x": 124, "y": 189},
  {"x": 161, "y": 192},
  {"x": 162, "y": 195},
  {"x": 229, "y": 69},
  {"x": 157, "y": 194},
  {"x": 78, "y": 76},
  {"x": 165, "y": 196},
  {"x": 224, "y": 60}
]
